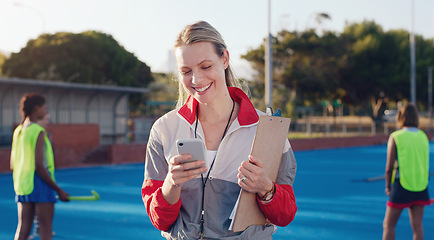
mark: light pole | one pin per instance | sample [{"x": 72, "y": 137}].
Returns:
[
  {"x": 268, "y": 63},
  {"x": 34, "y": 10},
  {"x": 412, "y": 58}
]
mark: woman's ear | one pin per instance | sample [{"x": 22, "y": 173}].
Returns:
[
  {"x": 35, "y": 109},
  {"x": 225, "y": 57}
]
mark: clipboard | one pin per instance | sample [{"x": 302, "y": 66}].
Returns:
[{"x": 268, "y": 145}]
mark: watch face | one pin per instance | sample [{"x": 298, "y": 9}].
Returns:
[{"x": 267, "y": 196}]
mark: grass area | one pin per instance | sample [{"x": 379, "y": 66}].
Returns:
[{"x": 299, "y": 135}]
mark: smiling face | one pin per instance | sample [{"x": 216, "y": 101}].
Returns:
[{"x": 202, "y": 71}]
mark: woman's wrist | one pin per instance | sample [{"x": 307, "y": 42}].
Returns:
[
  {"x": 267, "y": 195},
  {"x": 170, "y": 191}
]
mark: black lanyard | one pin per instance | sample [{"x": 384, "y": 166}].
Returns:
[{"x": 202, "y": 213}]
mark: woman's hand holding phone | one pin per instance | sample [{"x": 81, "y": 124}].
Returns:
[
  {"x": 181, "y": 170},
  {"x": 189, "y": 163},
  {"x": 193, "y": 146}
]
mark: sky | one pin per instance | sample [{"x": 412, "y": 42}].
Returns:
[{"x": 148, "y": 28}]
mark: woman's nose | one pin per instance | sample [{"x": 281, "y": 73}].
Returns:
[{"x": 197, "y": 78}]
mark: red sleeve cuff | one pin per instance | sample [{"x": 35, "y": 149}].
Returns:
[
  {"x": 161, "y": 213},
  {"x": 282, "y": 208},
  {"x": 162, "y": 203}
]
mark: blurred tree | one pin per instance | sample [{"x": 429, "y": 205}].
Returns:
[
  {"x": 162, "y": 97},
  {"x": 164, "y": 88},
  {"x": 304, "y": 67},
  {"x": 378, "y": 66},
  {"x": 2, "y": 60},
  {"x": 364, "y": 75},
  {"x": 363, "y": 66},
  {"x": 88, "y": 57},
  {"x": 320, "y": 17},
  {"x": 424, "y": 60}
]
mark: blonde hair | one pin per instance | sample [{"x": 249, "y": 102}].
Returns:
[
  {"x": 203, "y": 32},
  {"x": 407, "y": 116}
]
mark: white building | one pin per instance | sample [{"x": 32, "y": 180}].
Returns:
[{"x": 72, "y": 103}]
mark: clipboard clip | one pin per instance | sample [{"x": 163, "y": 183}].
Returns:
[{"x": 277, "y": 113}]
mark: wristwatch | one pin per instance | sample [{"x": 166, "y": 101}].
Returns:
[{"x": 269, "y": 195}]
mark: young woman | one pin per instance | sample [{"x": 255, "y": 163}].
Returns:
[
  {"x": 33, "y": 170},
  {"x": 186, "y": 200},
  {"x": 407, "y": 168}
]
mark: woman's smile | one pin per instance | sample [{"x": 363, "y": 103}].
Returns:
[{"x": 202, "y": 89}]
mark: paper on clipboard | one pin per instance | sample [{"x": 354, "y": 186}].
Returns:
[{"x": 268, "y": 145}]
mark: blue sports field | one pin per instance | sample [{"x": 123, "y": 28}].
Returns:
[{"x": 334, "y": 201}]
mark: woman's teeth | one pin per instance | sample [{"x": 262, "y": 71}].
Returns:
[{"x": 203, "y": 88}]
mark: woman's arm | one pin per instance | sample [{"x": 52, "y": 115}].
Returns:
[
  {"x": 281, "y": 209},
  {"x": 391, "y": 158},
  {"x": 161, "y": 213},
  {"x": 42, "y": 171},
  {"x": 161, "y": 189},
  {"x": 11, "y": 163},
  {"x": 14, "y": 146}
]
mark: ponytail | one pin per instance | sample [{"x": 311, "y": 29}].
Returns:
[{"x": 24, "y": 118}]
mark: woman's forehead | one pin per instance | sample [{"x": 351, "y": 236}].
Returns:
[{"x": 195, "y": 53}]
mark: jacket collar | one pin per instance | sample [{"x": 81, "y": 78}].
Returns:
[{"x": 246, "y": 116}]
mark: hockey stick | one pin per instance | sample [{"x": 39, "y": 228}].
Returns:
[{"x": 93, "y": 197}]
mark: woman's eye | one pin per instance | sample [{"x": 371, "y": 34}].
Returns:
[
  {"x": 185, "y": 72},
  {"x": 207, "y": 67}
]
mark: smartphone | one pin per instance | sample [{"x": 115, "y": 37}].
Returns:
[{"x": 193, "y": 146}]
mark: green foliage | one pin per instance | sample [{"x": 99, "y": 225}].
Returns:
[
  {"x": 362, "y": 73},
  {"x": 361, "y": 66},
  {"x": 88, "y": 57},
  {"x": 2, "y": 60},
  {"x": 302, "y": 62},
  {"x": 164, "y": 88},
  {"x": 162, "y": 97}
]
